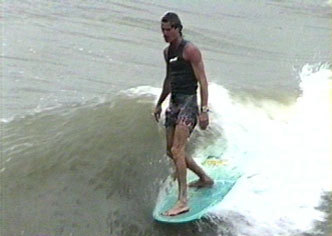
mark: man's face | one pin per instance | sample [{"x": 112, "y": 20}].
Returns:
[{"x": 170, "y": 33}]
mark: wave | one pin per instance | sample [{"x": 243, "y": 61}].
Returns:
[{"x": 106, "y": 160}]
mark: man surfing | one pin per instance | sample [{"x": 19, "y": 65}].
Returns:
[{"x": 184, "y": 71}]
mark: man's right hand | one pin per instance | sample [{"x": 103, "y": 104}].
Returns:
[{"x": 157, "y": 112}]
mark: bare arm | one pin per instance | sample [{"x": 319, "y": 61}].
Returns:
[
  {"x": 192, "y": 54},
  {"x": 165, "y": 91}
]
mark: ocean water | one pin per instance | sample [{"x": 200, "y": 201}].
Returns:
[{"x": 82, "y": 155}]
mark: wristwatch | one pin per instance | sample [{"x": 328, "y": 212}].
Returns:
[{"x": 205, "y": 109}]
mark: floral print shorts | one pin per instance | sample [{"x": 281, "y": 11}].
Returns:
[{"x": 183, "y": 109}]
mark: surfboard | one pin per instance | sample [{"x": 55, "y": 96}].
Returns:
[{"x": 200, "y": 200}]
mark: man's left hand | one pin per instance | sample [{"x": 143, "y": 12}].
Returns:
[{"x": 203, "y": 120}]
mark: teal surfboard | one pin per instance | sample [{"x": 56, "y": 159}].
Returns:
[{"x": 200, "y": 200}]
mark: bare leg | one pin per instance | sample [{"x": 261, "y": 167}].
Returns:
[
  {"x": 204, "y": 179},
  {"x": 169, "y": 139},
  {"x": 178, "y": 153}
]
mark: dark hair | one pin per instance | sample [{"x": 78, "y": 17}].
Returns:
[{"x": 173, "y": 19}]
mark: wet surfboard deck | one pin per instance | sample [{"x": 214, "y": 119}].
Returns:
[{"x": 200, "y": 200}]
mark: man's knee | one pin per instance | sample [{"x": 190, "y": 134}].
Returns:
[
  {"x": 189, "y": 160},
  {"x": 177, "y": 151},
  {"x": 180, "y": 137}
]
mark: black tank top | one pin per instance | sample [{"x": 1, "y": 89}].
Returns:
[{"x": 183, "y": 79}]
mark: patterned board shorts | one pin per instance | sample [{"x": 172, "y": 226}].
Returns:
[{"x": 183, "y": 109}]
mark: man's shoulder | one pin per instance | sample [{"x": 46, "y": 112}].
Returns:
[
  {"x": 190, "y": 46},
  {"x": 165, "y": 52},
  {"x": 191, "y": 51}
]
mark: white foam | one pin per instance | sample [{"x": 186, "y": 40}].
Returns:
[
  {"x": 143, "y": 90},
  {"x": 4, "y": 120},
  {"x": 285, "y": 159},
  {"x": 329, "y": 2}
]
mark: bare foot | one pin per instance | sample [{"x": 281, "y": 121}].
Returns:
[
  {"x": 179, "y": 208},
  {"x": 201, "y": 183}
]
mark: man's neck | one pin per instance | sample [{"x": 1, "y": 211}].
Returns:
[{"x": 176, "y": 42}]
